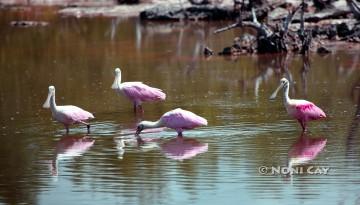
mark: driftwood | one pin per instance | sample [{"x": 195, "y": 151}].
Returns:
[
  {"x": 269, "y": 40},
  {"x": 355, "y": 9}
]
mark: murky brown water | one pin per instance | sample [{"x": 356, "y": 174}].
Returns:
[{"x": 39, "y": 164}]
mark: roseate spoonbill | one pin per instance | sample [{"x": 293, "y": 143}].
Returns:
[
  {"x": 66, "y": 114},
  {"x": 137, "y": 92},
  {"x": 183, "y": 148},
  {"x": 177, "y": 119},
  {"x": 301, "y": 110}
]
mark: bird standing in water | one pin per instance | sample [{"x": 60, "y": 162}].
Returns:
[
  {"x": 66, "y": 114},
  {"x": 137, "y": 92},
  {"x": 177, "y": 119},
  {"x": 301, "y": 110}
]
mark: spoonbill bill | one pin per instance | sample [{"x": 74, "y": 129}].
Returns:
[
  {"x": 66, "y": 114},
  {"x": 137, "y": 92},
  {"x": 177, "y": 119},
  {"x": 301, "y": 110}
]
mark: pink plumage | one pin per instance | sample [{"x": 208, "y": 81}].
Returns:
[
  {"x": 307, "y": 111},
  {"x": 177, "y": 119},
  {"x": 180, "y": 119},
  {"x": 66, "y": 114},
  {"x": 304, "y": 111},
  {"x": 69, "y": 114},
  {"x": 301, "y": 110},
  {"x": 137, "y": 92}
]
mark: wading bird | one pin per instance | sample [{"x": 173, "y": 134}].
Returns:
[
  {"x": 177, "y": 119},
  {"x": 301, "y": 110},
  {"x": 137, "y": 92},
  {"x": 66, "y": 114}
]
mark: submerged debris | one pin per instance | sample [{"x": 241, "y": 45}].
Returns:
[
  {"x": 208, "y": 51},
  {"x": 323, "y": 50},
  {"x": 26, "y": 24}
]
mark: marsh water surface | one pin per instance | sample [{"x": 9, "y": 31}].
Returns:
[{"x": 217, "y": 164}]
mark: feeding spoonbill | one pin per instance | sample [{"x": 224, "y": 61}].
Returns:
[
  {"x": 137, "y": 92},
  {"x": 66, "y": 114},
  {"x": 301, "y": 110},
  {"x": 177, "y": 119}
]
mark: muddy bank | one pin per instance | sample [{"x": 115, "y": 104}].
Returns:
[
  {"x": 279, "y": 26},
  {"x": 314, "y": 27}
]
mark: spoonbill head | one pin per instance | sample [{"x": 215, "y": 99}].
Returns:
[
  {"x": 284, "y": 83},
  {"x": 117, "y": 81},
  {"x": 66, "y": 114},
  {"x": 177, "y": 119},
  {"x": 136, "y": 92},
  {"x": 301, "y": 110},
  {"x": 51, "y": 93}
]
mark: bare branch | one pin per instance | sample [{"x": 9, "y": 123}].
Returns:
[
  {"x": 227, "y": 28},
  {"x": 355, "y": 9},
  {"x": 289, "y": 19}
]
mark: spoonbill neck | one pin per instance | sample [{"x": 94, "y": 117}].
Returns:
[
  {"x": 52, "y": 102},
  {"x": 286, "y": 94},
  {"x": 150, "y": 124},
  {"x": 117, "y": 81}
]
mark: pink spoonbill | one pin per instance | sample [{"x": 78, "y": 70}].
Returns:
[
  {"x": 301, "y": 110},
  {"x": 137, "y": 92},
  {"x": 66, "y": 114},
  {"x": 177, "y": 119}
]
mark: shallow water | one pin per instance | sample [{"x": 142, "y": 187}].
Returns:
[{"x": 40, "y": 164}]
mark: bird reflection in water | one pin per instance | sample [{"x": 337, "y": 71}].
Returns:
[
  {"x": 69, "y": 147},
  {"x": 181, "y": 148},
  {"x": 120, "y": 147},
  {"x": 305, "y": 149}
]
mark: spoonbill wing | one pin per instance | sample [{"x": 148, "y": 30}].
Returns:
[
  {"x": 179, "y": 118},
  {"x": 139, "y": 91}
]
